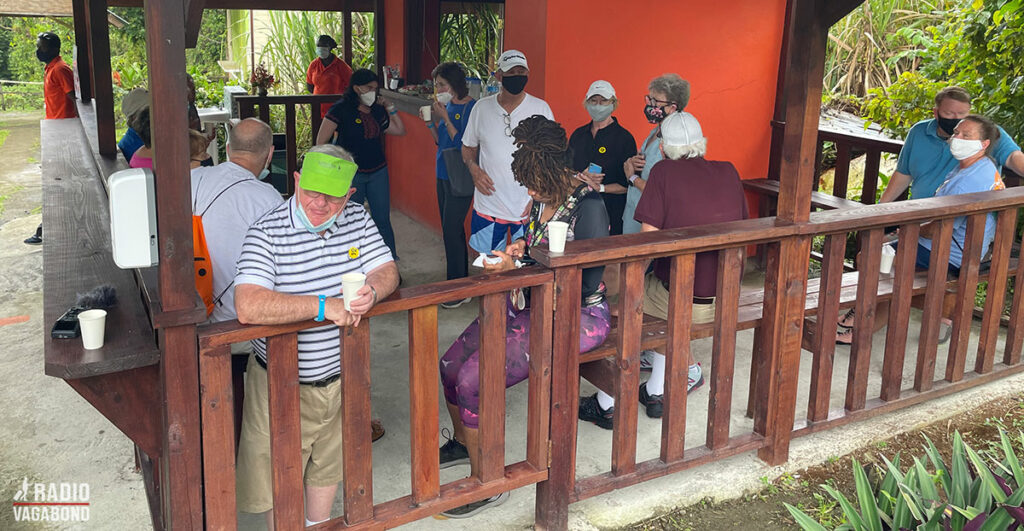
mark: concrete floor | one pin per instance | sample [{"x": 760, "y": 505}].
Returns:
[{"x": 49, "y": 433}]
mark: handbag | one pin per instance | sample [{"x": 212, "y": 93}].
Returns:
[{"x": 458, "y": 173}]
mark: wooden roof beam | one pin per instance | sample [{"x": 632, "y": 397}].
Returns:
[
  {"x": 306, "y": 5},
  {"x": 833, "y": 11},
  {"x": 193, "y": 21}
]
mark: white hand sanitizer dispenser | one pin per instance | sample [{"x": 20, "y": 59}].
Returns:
[{"x": 133, "y": 218}]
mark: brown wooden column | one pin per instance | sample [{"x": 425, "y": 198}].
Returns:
[
  {"x": 379, "y": 38},
  {"x": 422, "y": 39},
  {"x": 83, "y": 68},
  {"x": 99, "y": 45},
  {"x": 786, "y": 276},
  {"x": 181, "y": 462},
  {"x": 347, "y": 38}
]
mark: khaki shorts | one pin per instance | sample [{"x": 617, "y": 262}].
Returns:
[
  {"x": 656, "y": 302},
  {"x": 320, "y": 408}
]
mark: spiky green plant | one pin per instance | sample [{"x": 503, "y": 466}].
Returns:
[
  {"x": 973, "y": 492},
  {"x": 471, "y": 34}
]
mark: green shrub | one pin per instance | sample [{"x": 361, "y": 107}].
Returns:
[{"x": 973, "y": 490}]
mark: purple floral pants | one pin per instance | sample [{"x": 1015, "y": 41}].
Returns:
[{"x": 460, "y": 366}]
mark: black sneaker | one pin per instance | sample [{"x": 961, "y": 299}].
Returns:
[
  {"x": 470, "y": 509},
  {"x": 655, "y": 403},
  {"x": 451, "y": 305},
  {"x": 453, "y": 453},
  {"x": 591, "y": 411}
]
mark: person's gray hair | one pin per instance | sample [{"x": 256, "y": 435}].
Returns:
[
  {"x": 332, "y": 150},
  {"x": 691, "y": 151},
  {"x": 674, "y": 87},
  {"x": 251, "y": 135}
]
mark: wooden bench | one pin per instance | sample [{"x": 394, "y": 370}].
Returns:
[{"x": 770, "y": 188}]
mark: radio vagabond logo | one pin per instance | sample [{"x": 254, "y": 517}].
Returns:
[{"x": 51, "y": 502}]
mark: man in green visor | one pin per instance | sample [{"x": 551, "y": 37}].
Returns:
[{"x": 290, "y": 270}]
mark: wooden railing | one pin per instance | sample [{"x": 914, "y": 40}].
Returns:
[
  {"x": 248, "y": 105},
  {"x": 847, "y": 146},
  {"x": 773, "y": 384},
  {"x": 428, "y": 496}
]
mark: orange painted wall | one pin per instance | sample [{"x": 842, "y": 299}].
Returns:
[{"x": 729, "y": 51}]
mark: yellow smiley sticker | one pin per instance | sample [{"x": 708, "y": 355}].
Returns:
[
  {"x": 458, "y": 116},
  {"x": 358, "y": 121},
  {"x": 601, "y": 149},
  {"x": 353, "y": 252}
]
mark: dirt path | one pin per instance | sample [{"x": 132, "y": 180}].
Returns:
[{"x": 47, "y": 432}]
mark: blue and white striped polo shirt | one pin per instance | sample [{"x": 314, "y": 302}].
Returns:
[{"x": 280, "y": 254}]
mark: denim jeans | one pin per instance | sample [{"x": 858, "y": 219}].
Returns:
[{"x": 375, "y": 189}]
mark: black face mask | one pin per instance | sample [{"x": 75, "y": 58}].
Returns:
[
  {"x": 654, "y": 113},
  {"x": 514, "y": 84},
  {"x": 948, "y": 124},
  {"x": 45, "y": 56}
]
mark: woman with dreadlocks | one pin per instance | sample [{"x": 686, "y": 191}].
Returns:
[{"x": 541, "y": 164}]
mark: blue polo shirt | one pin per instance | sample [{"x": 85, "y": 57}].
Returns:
[
  {"x": 130, "y": 143},
  {"x": 981, "y": 176},
  {"x": 925, "y": 157}
]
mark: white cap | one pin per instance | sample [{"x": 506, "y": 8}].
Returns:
[
  {"x": 681, "y": 129},
  {"x": 510, "y": 59},
  {"x": 601, "y": 88}
]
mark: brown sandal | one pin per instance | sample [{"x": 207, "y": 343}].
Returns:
[
  {"x": 376, "y": 430},
  {"x": 845, "y": 336}
]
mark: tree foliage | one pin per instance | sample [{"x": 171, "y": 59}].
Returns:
[{"x": 978, "y": 46}]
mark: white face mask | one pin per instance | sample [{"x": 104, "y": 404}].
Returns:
[
  {"x": 323, "y": 52},
  {"x": 444, "y": 97},
  {"x": 367, "y": 98},
  {"x": 961, "y": 148}
]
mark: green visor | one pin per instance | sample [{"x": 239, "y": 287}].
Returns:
[{"x": 326, "y": 174}]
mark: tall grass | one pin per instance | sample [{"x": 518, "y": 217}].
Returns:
[{"x": 877, "y": 42}]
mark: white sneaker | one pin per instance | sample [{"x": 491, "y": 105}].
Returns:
[{"x": 451, "y": 305}]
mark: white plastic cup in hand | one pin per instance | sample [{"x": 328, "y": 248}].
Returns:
[
  {"x": 92, "y": 324},
  {"x": 425, "y": 113},
  {"x": 888, "y": 255},
  {"x": 350, "y": 284},
  {"x": 557, "y": 231}
]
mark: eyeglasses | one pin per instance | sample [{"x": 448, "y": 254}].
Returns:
[
  {"x": 659, "y": 103},
  {"x": 313, "y": 196},
  {"x": 508, "y": 125}
]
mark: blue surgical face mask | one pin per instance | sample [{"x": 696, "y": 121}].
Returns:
[
  {"x": 323, "y": 52},
  {"x": 309, "y": 224},
  {"x": 263, "y": 174}
]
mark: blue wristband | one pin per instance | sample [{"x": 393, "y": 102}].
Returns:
[{"x": 320, "y": 311}]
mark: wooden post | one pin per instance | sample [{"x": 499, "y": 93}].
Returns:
[
  {"x": 165, "y": 36},
  {"x": 786, "y": 279},
  {"x": 379, "y": 40},
  {"x": 83, "y": 68},
  {"x": 346, "y": 18},
  {"x": 553, "y": 494},
  {"x": 103, "y": 88}
]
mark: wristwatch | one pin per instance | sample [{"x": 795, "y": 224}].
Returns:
[{"x": 601, "y": 189}]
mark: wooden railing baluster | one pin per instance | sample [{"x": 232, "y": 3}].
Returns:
[
  {"x": 285, "y": 431},
  {"x": 265, "y": 111},
  {"x": 627, "y": 380},
  {"x": 357, "y": 446},
  {"x": 899, "y": 312},
  {"x": 867, "y": 294},
  {"x": 723, "y": 355},
  {"x": 491, "y": 458},
  {"x": 928, "y": 342},
  {"x": 539, "y": 400},
  {"x": 1015, "y": 330},
  {"x": 423, "y": 406},
  {"x": 218, "y": 437},
  {"x": 842, "y": 173},
  {"x": 966, "y": 288},
  {"x": 1006, "y": 222},
  {"x": 317, "y": 120},
  {"x": 824, "y": 330},
  {"x": 871, "y": 165},
  {"x": 677, "y": 355},
  {"x": 291, "y": 147}
]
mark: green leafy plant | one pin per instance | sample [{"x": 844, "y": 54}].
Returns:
[
  {"x": 971, "y": 491},
  {"x": 471, "y": 35}
]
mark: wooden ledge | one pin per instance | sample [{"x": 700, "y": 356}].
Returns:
[{"x": 77, "y": 258}]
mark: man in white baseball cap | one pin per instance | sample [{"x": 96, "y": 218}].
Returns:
[{"x": 499, "y": 203}]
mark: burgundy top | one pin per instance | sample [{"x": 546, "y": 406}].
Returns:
[{"x": 687, "y": 192}]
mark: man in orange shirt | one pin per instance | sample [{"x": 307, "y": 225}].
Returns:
[
  {"x": 327, "y": 74},
  {"x": 58, "y": 92},
  {"x": 59, "y": 82}
]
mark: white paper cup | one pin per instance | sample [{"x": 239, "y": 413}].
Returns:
[
  {"x": 425, "y": 113},
  {"x": 92, "y": 323},
  {"x": 350, "y": 284},
  {"x": 557, "y": 231},
  {"x": 394, "y": 84},
  {"x": 888, "y": 255}
]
